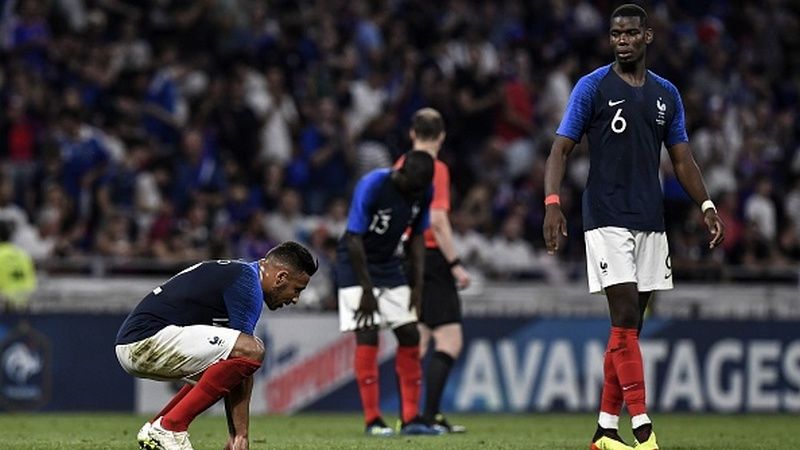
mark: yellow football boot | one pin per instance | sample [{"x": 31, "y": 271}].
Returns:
[
  {"x": 649, "y": 444},
  {"x": 606, "y": 443}
]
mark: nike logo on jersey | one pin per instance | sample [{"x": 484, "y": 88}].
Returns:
[
  {"x": 629, "y": 387},
  {"x": 615, "y": 103}
]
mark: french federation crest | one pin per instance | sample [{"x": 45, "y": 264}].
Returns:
[{"x": 25, "y": 369}]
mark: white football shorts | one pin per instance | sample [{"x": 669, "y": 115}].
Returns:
[
  {"x": 392, "y": 307},
  {"x": 618, "y": 255},
  {"x": 176, "y": 353}
]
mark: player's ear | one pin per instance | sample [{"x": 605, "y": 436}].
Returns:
[
  {"x": 648, "y": 35},
  {"x": 281, "y": 277}
]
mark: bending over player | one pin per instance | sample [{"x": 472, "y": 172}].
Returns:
[
  {"x": 198, "y": 327},
  {"x": 373, "y": 290}
]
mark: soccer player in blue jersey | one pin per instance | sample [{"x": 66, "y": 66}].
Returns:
[
  {"x": 198, "y": 327},
  {"x": 627, "y": 113},
  {"x": 373, "y": 290}
]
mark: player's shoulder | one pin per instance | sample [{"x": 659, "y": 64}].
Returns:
[
  {"x": 596, "y": 76},
  {"x": 376, "y": 175},
  {"x": 440, "y": 167},
  {"x": 372, "y": 182},
  {"x": 227, "y": 266},
  {"x": 590, "y": 82},
  {"x": 663, "y": 82}
]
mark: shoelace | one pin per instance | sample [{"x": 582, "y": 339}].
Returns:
[{"x": 182, "y": 437}]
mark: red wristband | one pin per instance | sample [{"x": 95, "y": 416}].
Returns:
[{"x": 552, "y": 199}]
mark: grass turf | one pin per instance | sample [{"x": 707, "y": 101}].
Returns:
[{"x": 344, "y": 431}]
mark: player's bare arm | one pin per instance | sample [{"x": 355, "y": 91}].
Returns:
[
  {"x": 417, "y": 257},
  {"x": 369, "y": 305},
  {"x": 237, "y": 412},
  {"x": 555, "y": 223},
  {"x": 692, "y": 181},
  {"x": 443, "y": 231}
]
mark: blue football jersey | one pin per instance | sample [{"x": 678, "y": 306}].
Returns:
[
  {"x": 222, "y": 292},
  {"x": 625, "y": 127},
  {"x": 380, "y": 214}
]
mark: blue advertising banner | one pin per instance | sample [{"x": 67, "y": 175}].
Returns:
[
  {"x": 66, "y": 362},
  {"x": 62, "y": 362},
  {"x": 537, "y": 364}
]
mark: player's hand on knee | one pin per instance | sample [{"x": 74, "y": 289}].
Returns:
[{"x": 365, "y": 314}]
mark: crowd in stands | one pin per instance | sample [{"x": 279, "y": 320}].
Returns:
[{"x": 179, "y": 130}]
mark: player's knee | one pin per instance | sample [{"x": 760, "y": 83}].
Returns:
[
  {"x": 453, "y": 349},
  {"x": 625, "y": 318},
  {"x": 260, "y": 350},
  {"x": 367, "y": 337},
  {"x": 407, "y": 334},
  {"x": 249, "y": 347}
]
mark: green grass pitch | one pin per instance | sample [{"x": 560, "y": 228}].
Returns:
[{"x": 343, "y": 431}]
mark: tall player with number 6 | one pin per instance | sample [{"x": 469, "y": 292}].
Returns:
[{"x": 627, "y": 112}]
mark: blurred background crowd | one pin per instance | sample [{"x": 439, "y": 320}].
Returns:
[{"x": 169, "y": 131}]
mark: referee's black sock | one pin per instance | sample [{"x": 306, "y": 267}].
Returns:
[{"x": 435, "y": 381}]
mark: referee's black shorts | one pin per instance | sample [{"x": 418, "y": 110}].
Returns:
[{"x": 440, "y": 301}]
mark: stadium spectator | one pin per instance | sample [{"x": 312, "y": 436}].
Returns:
[
  {"x": 280, "y": 119},
  {"x": 163, "y": 108},
  {"x": 10, "y": 212},
  {"x": 469, "y": 243},
  {"x": 253, "y": 240},
  {"x": 114, "y": 237},
  {"x": 760, "y": 209},
  {"x": 84, "y": 160},
  {"x": 288, "y": 220},
  {"x": 320, "y": 170},
  {"x": 198, "y": 175},
  {"x": 17, "y": 273},
  {"x": 133, "y": 73}
]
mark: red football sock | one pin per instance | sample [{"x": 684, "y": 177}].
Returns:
[
  {"x": 178, "y": 396},
  {"x": 409, "y": 373},
  {"x": 214, "y": 384},
  {"x": 611, "y": 399},
  {"x": 627, "y": 358},
  {"x": 366, "y": 365}
]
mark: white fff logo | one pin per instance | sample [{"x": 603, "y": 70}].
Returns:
[
  {"x": 20, "y": 364},
  {"x": 661, "y": 117}
]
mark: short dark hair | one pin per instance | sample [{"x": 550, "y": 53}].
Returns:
[
  {"x": 427, "y": 124},
  {"x": 295, "y": 256},
  {"x": 418, "y": 166},
  {"x": 631, "y": 10}
]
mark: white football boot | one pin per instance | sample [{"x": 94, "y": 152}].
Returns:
[
  {"x": 143, "y": 438},
  {"x": 168, "y": 440}
]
